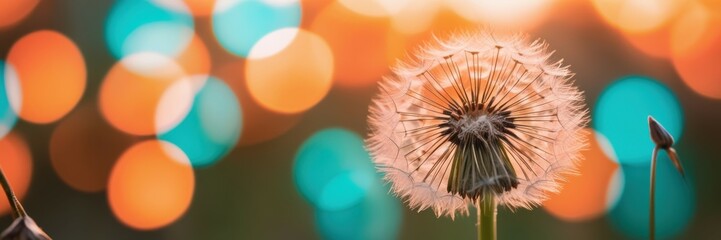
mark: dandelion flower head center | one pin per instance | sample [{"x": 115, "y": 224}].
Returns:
[
  {"x": 479, "y": 165},
  {"x": 477, "y": 115},
  {"x": 477, "y": 123}
]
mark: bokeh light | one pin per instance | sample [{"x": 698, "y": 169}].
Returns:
[
  {"x": 712, "y": 5},
  {"x": 16, "y": 162},
  {"x": 273, "y": 42},
  {"x": 698, "y": 67},
  {"x": 417, "y": 17},
  {"x": 195, "y": 59},
  {"x": 376, "y": 8},
  {"x": 638, "y": 15},
  {"x": 130, "y": 95},
  {"x": 8, "y": 88},
  {"x": 135, "y": 26},
  {"x": 615, "y": 189},
  {"x": 239, "y": 24},
  {"x": 444, "y": 23},
  {"x": 151, "y": 186},
  {"x": 675, "y": 202},
  {"x": 346, "y": 189},
  {"x": 357, "y": 64},
  {"x": 621, "y": 114},
  {"x": 83, "y": 149},
  {"x": 213, "y": 125},
  {"x": 50, "y": 72},
  {"x": 199, "y": 8},
  {"x": 294, "y": 79},
  {"x": 378, "y": 216},
  {"x": 259, "y": 123},
  {"x": 695, "y": 28},
  {"x": 655, "y": 43},
  {"x": 12, "y": 11},
  {"x": 365, "y": 7},
  {"x": 693, "y": 25},
  {"x": 519, "y": 13},
  {"x": 333, "y": 172},
  {"x": 584, "y": 195},
  {"x": 322, "y": 158},
  {"x": 311, "y": 8}
]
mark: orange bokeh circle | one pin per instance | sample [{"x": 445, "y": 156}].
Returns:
[
  {"x": 198, "y": 8},
  {"x": 655, "y": 43},
  {"x": 201, "y": 8},
  {"x": 713, "y": 5},
  {"x": 638, "y": 16},
  {"x": 151, "y": 185},
  {"x": 363, "y": 47},
  {"x": 12, "y": 11},
  {"x": 294, "y": 79},
  {"x": 311, "y": 8},
  {"x": 678, "y": 35},
  {"x": 50, "y": 71},
  {"x": 259, "y": 123},
  {"x": 505, "y": 14},
  {"x": 83, "y": 149},
  {"x": 417, "y": 17},
  {"x": 583, "y": 195},
  {"x": 132, "y": 90},
  {"x": 444, "y": 23},
  {"x": 195, "y": 59},
  {"x": 692, "y": 29},
  {"x": 696, "y": 55},
  {"x": 699, "y": 67},
  {"x": 16, "y": 162}
]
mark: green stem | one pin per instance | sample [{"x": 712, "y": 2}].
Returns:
[
  {"x": 487, "y": 211},
  {"x": 652, "y": 197},
  {"x": 17, "y": 208}
]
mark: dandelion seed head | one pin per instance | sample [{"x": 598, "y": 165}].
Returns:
[{"x": 476, "y": 114}]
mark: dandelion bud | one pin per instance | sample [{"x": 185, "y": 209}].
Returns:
[
  {"x": 664, "y": 140},
  {"x": 24, "y": 228},
  {"x": 477, "y": 115},
  {"x": 659, "y": 135}
]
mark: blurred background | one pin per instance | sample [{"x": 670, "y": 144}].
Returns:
[{"x": 245, "y": 119}]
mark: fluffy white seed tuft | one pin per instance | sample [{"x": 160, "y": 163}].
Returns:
[{"x": 478, "y": 112}]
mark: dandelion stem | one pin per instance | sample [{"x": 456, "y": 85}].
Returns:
[
  {"x": 487, "y": 211},
  {"x": 652, "y": 199},
  {"x": 17, "y": 208}
]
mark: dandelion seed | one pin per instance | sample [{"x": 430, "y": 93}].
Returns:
[{"x": 478, "y": 117}]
